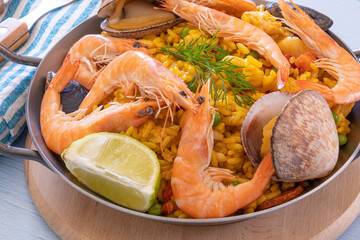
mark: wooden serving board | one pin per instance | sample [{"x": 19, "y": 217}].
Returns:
[{"x": 324, "y": 215}]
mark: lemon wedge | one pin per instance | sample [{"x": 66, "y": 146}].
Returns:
[{"x": 116, "y": 166}]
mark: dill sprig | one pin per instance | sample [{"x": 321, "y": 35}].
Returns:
[{"x": 204, "y": 56}]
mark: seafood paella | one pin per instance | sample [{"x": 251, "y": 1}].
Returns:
[{"x": 240, "y": 110}]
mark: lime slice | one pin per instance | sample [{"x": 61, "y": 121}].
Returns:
[{"x": 116, "y": 166}]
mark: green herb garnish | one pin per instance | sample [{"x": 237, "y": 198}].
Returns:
[{"x": 203, "y": 54}]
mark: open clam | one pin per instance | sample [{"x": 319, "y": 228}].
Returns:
[
  {"x": 134, "y": 19},
  {"x": 304, "y": 141}
]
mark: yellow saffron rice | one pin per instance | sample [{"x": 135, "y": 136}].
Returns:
[{"x": 228, "y": 151}]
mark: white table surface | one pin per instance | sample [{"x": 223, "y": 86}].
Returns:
[{"x": 19, "y": 218}]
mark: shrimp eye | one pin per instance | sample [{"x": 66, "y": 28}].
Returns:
[
  {"x": 182, "y": 93},
  {"x": 137, "y": 45},
  {"x": 149, "y": 111},
  {"x": 200, "y": 99}
]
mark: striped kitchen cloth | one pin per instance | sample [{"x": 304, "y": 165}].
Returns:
[{"x": 15, "y": 78}]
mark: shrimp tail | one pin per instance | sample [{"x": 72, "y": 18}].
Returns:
[
  {"x": 264, "y": 172},
  {"x": 65, "y": 74},
  {"x": 324, "y": 90},
  {"x": 282, "y": 77}
]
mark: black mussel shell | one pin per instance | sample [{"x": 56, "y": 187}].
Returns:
[
  {"x": 139, "y": 33},
  {"x": 320, "y": 19},
  {"x": 72, "y": 96}
]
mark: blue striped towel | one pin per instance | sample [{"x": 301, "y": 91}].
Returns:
[{"x": 15, "y": 78}]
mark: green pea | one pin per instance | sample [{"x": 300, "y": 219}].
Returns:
[
  {"x": 235, "y": 183},
  {"x": 254, "y": 54},
  {"x": 217, "y": 119},
  {"x": 155, "y": 209},
  {"x": 274, "y": 69},
  {"x": 336, "y": 117},
  {"x": 184, "y": 32},
  {"x": 342, "y": 139},
  {"x": 221, "y": 54}
]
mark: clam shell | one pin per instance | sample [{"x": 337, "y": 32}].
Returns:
[
  {"x": 139, "y": 33},
  {"x": 260, "y": 113},
  {"x": 304, "y": 141}
]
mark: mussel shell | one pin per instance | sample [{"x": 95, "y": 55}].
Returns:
[
  {"x": 141, "y": 32},
  {"x": 106, "y": 8},
  {"x": 72, "y": 96},
  {"x": 304, "y": 141},
  {"x": 320, "y": 19}
]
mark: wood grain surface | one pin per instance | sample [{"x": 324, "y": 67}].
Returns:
[{"x": 324, "y": 215}]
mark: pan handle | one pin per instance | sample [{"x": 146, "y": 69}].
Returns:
[
  {"x": 17, "y": 58},
  {"x": 25, "y": 153},
  {"x": 10, "y": 151}
]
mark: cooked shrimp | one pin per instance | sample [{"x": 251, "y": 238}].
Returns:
[
  {"x": 60, "y": 130},
  {"x": 95, "y": 51},
  {"x": 234, "y": 29},
  {"x": 137, "y": 69},
  {"x": 333, "y": 58},
  {"x": 197, "y": 188},
  {"x": 233, "y": 7}
]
